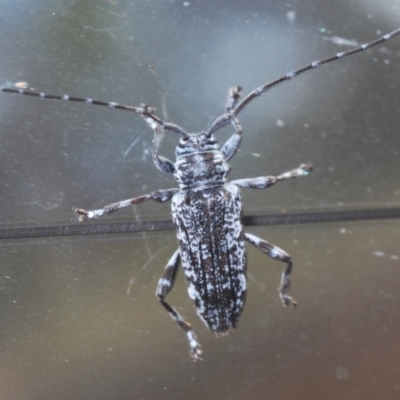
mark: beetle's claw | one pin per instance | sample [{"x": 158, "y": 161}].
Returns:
[{"x": 82, "y": 214}]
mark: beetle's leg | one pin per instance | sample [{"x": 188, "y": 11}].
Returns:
[
  {"x": 267, "y": 248},
  {"x": 263, "y": 182},
  {"x": 301, "y": 170},
  {"x": 230, "y": 147},
  {"x": 162, "y": 163},
  {"x": 159, "y": 196},
  {"x": 159, "y": 127},
  {"x": 277, "y": 254},
  {"x": 164, "y": 286}
]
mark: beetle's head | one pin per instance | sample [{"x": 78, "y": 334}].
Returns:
[{"x": 196, "y": 143}]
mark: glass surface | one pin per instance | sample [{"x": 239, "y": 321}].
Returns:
[{"x": 68, "y": 328}]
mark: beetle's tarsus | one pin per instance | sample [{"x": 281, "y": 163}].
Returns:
[
  {"x": 307, "y": 168},
  {"x": 82, "y": 214},
  {"x": 289, "y": 302},
  {"x": 196, "y": 353}
]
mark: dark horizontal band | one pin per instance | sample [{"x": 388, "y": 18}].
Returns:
[{"x": 149, "y": 226}]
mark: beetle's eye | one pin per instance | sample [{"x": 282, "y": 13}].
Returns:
[
  {"x": 210, "y": 137},
  {"x": 185, "y": 139}
]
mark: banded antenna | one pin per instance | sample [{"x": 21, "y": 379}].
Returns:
[{"x": 146, "y": 111}]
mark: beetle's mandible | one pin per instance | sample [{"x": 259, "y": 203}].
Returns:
[{"x": 206, "y": 209}]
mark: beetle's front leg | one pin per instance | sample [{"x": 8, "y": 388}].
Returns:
[
  {"x": 230, "y": 147},
  {"x": 263, "y": 182},
  {"x": 160, "y": 196},
  {"x": 158, "y": 127}
]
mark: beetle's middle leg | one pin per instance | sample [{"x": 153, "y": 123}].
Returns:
[
  {"x": 277, "y": 254},
  {"x": 159, "y": 196},
  {"x": 164, "y": 286},
  {"x": 262, "y": 182}
]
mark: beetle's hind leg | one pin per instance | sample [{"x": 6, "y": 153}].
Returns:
[
  {"x": 164, "y": 286},
  {"x": 277, "y": 254}
]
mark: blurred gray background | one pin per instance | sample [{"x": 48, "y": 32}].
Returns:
[{"x": 68, "y": 330}]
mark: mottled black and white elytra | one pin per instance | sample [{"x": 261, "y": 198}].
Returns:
[{"x": 206, "y": 209}]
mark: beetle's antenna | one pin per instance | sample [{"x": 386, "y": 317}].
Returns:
[
  {"x": 65, "y": 97},
  {"x": 315, "y": 64},
  {"x": 144, "y": 110}
]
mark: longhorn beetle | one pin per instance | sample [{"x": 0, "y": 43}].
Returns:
[{"x": 206, "y": 209}]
